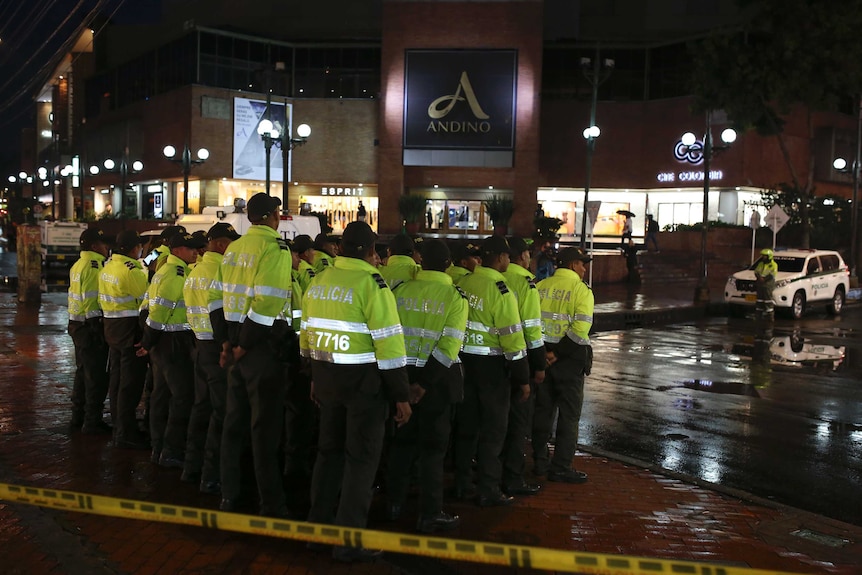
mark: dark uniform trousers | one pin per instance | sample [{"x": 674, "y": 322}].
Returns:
[
  {"x": 90, "y": 387},
  {"x": 353, "y": 412},
  {"x": 520, "y": 421},
  {"x": 173, "y": 392},
  {"x": 564, "y": 389},
  {"x": 127, "y": 373},
  {"x": 301, "y": 427},
  {"x": 256, "y": 387},
  {"x": 481, "y": 422},
  {"x": 424, "y": 437},
  {"x": 207, "y": 416}
]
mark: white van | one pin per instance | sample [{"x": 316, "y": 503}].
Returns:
[{"x": 289, "y": 227}]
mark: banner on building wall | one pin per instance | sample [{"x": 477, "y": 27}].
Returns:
[
  {"x": 249, "y": 151},
  {"x": 460, "y": 99}
]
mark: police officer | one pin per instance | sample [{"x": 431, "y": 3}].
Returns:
[
  {"x": 567, "y": 316},
  {"x": 85, "y": 328},
  {"x": 433, "y": 314},
  {"x": 256, "y": 281},
  {"x": 764, "y": 277},
  {"x": 325, "y": 250},
  {"x": 170, "y": 341},
  {"x": 202, "y": 293},
  {"x": 401, "y": 265},
  {"x": 523, "y": 285},
  {"x": 465, "y": 258},
  {"x": 352, "y": 336},
  {"x": 303, "y": 247},
  {"x": 122, "y": 285},
  {"x": 495, "y": 364}
]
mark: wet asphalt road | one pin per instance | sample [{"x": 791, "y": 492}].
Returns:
[{"x": 726, "y": 401}]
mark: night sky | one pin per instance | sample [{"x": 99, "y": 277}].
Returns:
[{"x": 31, "y": 34}]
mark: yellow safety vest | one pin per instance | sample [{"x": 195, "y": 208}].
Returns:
[
  {"x": 84, "y": 286},
  {"x": 567, "y": 307},
  {"x": 494, "y": 324},
  {"x": 202, "y": 294},
  {"x": 122, "y": 285},
  {"x": 167, "y": 306}
]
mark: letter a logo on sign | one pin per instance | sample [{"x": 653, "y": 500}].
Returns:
[{"x": 435, "y": 112}]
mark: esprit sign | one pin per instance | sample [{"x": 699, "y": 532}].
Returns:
[{"x": 460, "y": 99}]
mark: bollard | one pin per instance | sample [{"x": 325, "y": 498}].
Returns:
[{"x": 29, "y": 264}]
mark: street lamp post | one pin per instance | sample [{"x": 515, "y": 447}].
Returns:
[
  {"x": 689, "y": 140},
  {"x": 840, "y": 164},
  {"x": 601, "y": 70},
  {"x": 270, "y": 135},
  {"x": 124, "y": 169},
  {"x": 187, "y": 162}
]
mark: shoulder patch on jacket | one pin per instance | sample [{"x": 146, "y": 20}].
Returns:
[
  {"x": 94, "y": 264},
  {"x": 531, "y": 282},
  {"x": 462, "y": 292},
  {"x": 397, "y": 283},
  {"x": 283, "y": 244},
  {"x": 501, "y": 285},
  {"x": 381, "y": 283},
  {"x": 311, "y": 273},
  {"x": 180, "y": 271},
  {"x": 130, "y": 265}
]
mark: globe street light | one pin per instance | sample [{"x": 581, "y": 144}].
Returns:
[
  {"x": 187, "y": 163},
  {"x": 704, "y": 153},
  {"x": 270, "y": 134},
  {"x": 124, "y": 169}
]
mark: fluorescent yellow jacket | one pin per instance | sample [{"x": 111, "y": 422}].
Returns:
[
  {"x": 122, "y": 285},
  {"x": 399, "y": 269},
  {"x": 304, "y": 274},
  {"x": 349, "y": 317},
  {"x": 256, "y": 283},
  {"x": 167, "y": 306},
  {"x": 494, "y": 325},
  {"x": 523, "y": 284},
  {"x": 164, "y": 252},
  {"x": 202, "y": 293},
  {"x": 766, "y": 269},
  {"x": 567, "y": 307},
  {"x": 322, "y": 260},
  {"x": 84, "y": 286},
  {"x": 457, "y": 272},
  {"x": 433, "y": 314}
]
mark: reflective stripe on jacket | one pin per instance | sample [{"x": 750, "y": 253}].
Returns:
[
  {"x": 433, "y": 315},
  {"x": 494, "y": 324},
  {"x": 122, "y": 285},
  {"x": 523, "y": 285},
  {"x": 84, "y": 286},
  {"x": 202, "y": 296},
  {"x": 567, "y": 307},
  {"x": 349, "y": 317},
  {"x": 167, "y": 306},
  {"x": 256, "y": 278}
]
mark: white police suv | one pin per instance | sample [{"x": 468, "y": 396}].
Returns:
[{"x": 805, "y": 278}]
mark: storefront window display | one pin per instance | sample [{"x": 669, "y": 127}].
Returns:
[{"x": 341, "y": 204}]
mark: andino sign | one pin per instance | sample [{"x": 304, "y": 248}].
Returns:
[{"x": 460, "y": 99}]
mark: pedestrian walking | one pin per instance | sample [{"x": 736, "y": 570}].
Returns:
[
  {"x": 169, "y": 341},
  {"x": 122, "y": 285},
  {"x": 352, "y": 336},
  {"x": 522, "y": 283},
  {"x": 628, "y": 229},
  {"x": 630, "y": 251},
  {"x": 495, "y": 364},
  {"x": 567, "y": 316},
  {"x": 361, "y": 212},
  {"x": 433, "y": 314},
  {"x": 202, "y": 293},
  {"x": 90, "y": 386},
  {"x": 652, "y": 233},
  {"x": 543, "y": 261},
  {"x": 256, "y": 291}
]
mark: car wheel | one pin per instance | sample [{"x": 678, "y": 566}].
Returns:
[
  {"x": 797, "y": 307},
  {"x": 837, "y": 303}
]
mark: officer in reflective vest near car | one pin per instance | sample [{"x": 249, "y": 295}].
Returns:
[
  {"x": 203, "y": 296},
  {"x": 764, "y": 278},
  {"x": 567, "y": 316},
  {"x": 257, "y": 285},
  {"x": 495, "y": 367},
  {"x": 122, "y": 285},
  {"x": 169, "y": 340},
  {"x": 433, "y": 314},
  {"x": 85, "y": 327},
  {"x": 352, "y": 335}
]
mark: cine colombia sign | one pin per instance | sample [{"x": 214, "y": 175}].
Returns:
[{"x": 460, "y": 99}]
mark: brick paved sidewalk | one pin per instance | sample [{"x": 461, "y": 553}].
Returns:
[{"x": 623, "y": 509}]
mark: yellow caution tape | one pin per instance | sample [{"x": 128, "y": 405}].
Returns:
[{"x": 442, "y": 548}]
